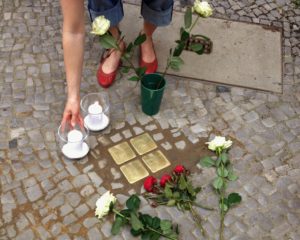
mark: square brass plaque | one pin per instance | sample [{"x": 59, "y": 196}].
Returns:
[
  {"x": 156, "y": 161},
  {"x": 122, "y": 153},
  {"x": 143, "y": 143},
  {"x": 134, "y": 171}
]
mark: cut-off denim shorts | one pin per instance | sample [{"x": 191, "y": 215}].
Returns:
[{"x": 157, "y": 12}]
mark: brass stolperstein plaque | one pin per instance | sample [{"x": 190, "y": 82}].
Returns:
[
  {"x": 134, "y": 171},
  {"x": 156, "y": 161},
  {"x": 143, "y": 143},
  {"x": 122, "y": 153}
]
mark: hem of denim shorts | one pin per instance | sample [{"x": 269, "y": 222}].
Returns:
[
  {"x": 158, "y": 18},
  {"x": 114, "y": 14}
]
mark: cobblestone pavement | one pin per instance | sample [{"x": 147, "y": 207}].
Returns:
[{"x": 45, "y": 196}]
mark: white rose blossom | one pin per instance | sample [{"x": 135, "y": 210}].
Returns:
[
  {"x": 219, "y": 142},
  {"x": 202, "y": 8},
  {"x": 103, "y": 204},
  {"x": 100, "y": 25}
]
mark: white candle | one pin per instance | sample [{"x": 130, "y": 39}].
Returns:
[
  {"x": 95, "y": 108},
  {"x": 75, "y": 140},
  {"x": 95, "y": 114}
]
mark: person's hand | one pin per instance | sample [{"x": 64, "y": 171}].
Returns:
[{"x": 72, "y": 113}]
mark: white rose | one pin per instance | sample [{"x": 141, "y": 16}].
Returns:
[
  {"x": 103, "y": 204},
  {"x": 202, "y": 8},
  {"x": 100, "y": 25},
  {"x": 219, "y": 142}
]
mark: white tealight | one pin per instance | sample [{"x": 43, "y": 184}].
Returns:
[
  {"x": 96, "y": 120},
  {"x": 75, "y": 136},
  {"x": 95, "y": 108}
]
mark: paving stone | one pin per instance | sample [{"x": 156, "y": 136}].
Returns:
[
  {"x": 158, "y": 136},
  {"x": 25, "y": 235},
  {"x": 127, "y": 133},
  {"x": 81, "y": 210},
  {"x": 180, "y": 145},
  {"x": 95, "y": 178},
  {"x": 65, "y": 209},
  {"x": 138, "y": 130},
  {"x": 90, "y": 222},
  {"x": 22, "y": 222},
  {"x": 73, "y": 198},
  {"x": 87, "y": 191},
  {"x": 94, "y": 234},
  {"x": 34, "y": 193},
  {"x": 80, "y": 181},
  {"x": 166, "y": 145},
  {"x": 116, "y": 138}
]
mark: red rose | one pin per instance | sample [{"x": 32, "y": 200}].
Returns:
[
  {"x": 165, "y": 178},
  {"x": 179, "y": 169},
  {"x": 149, "y": 183}
]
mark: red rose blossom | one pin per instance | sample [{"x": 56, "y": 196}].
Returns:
[
  {"x": 179, "y": 169},
  {"x": 165, "y": 178},
  {"x": 149, "y": 183}
]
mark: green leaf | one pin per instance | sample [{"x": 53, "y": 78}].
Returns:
[
  {"x": 165, "y": 225},
  {"x": 116, "y": 227},
  {"x": 231, "y": 176},
  {"x": 179, "y": 48},
  {"x": 218, "y": 183},
  {"x": 182, "y": 183},
  {"x": 126, "y": 213},
  {"x": 133, "y": 203},
  {"x": 184, "y": 36},
  {"x": 175, "y": 63},
  {"x": 145, "y": 235},
  {"x": 223, "y": 207},
  {"x": 224, "y": 157},
  {"x": 134, "y": 78},
  {"x": 198, "y": 189},
  {"x": 171, "y": 202},
  {"x": 107, "y": 41},
  {"x": 188, "y": 17},
  {"x": 191, "y": 189},
  {"x": 135, "y": 222},
  {"x": 218, "y": 162},
  {"x": 176, "y": 195},
  {"x": 141, "y": 71},
  {"x": 140, "y": 39},
  {"x": 207, "y": 162},
  {"x": 146, "y": 219},
  {"x": 196, "y": 47},
  {"x": 129, "y": 47},
  {"x": 154, "y": 236},
  {"x": 136, "y": 233},
  {"x": 234, "y": 198},
  {"x": 222, "y": 172},
  {"x": 156, "y": 222},
  {"x": 168, "y": 192}
]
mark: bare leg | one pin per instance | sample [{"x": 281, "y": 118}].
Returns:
[
  {"x": 112, "y": 62},
  {"x": 148, "y": 53}
]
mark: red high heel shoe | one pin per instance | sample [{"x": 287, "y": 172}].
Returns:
[{"x": 107, "y": 79}]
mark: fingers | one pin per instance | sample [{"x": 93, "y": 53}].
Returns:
[
  {"x": 74, "y": 119},
  {"x": 65, "y": 120}
]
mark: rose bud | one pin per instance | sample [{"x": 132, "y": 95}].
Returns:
[
  {"x": 164, "y": 179},
  {"x": 149, "y": 183},
  {"x": 179, "y": 169}
]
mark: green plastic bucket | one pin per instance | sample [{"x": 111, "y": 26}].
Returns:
[{"x": 151, "y": 93}]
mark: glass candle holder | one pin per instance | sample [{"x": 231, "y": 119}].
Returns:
[
  {"x": 95, "y": 108},
  {"x": 73, "y": 140}
]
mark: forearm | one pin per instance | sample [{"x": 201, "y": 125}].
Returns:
[{"x": 73, "y": 45}]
